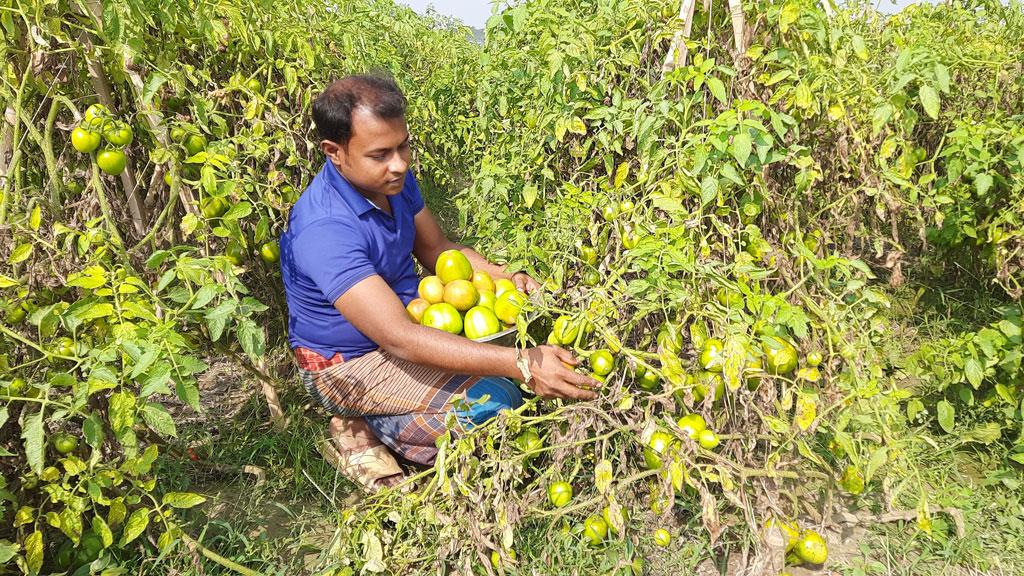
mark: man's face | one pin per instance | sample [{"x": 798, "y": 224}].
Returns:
[{"x": 376, "y": 158}]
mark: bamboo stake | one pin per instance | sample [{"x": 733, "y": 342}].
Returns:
[{"x": 678, "y": 52}]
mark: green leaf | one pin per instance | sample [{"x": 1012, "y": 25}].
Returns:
[
  {"x": 7, "y": 551},
  {"x": 34, "y": 552},
  {"x": 251, "y": 337},
  {"x": 183, "y": 499},
  {"x": 529, "y": 195},
  {"x": 789, "y": 14},
  {"x": 942, "y": 77},
  {"x": 159, "y": 419},
  {"x": 32, "y": 434},
  {"x": 878, "y": 457},
  {"x": 974, "y": 372},
  {"x": 859, "y": 48},
  {"x": 717, "y": 88},
  {"x": 135, "y": 526},
  {"x": 929, "y": 100},
  {"x": 946, "y": 415},
  {"x": 708, "y": 189},
  {"x": 741, "y": 146},
  {"x": 982, "y": 183},
  {"x": 99, "y": 526}
]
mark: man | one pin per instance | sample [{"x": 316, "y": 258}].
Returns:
[{"x": 346, "y": 261}]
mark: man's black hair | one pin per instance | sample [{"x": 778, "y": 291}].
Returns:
[{"x": 332, "y": 110}]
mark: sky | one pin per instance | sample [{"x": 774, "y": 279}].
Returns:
[{"x": 475, "y": 12}]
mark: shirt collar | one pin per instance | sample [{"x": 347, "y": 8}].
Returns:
[{"x": 356, "y": 201}]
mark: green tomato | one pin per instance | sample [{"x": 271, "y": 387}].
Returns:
[
  {"x": 588, "y": 254},
  {"x": 662, "y": 537},
  {"x": 111, "y": 162},
  {"x": 711, "y": 358},
  {"x": 565, "y": 330},
  {"x": 560, "y": 494},
  {"x": 657, "y": 446},
  {"x": 85, "y": 141},
  {"x": 95, "y": 115},
  {"x": 692, "y": 425},
  {"x": 194, "y": 144},
  {"x": 528, "y": 441},
  {"x": 119, "y": 135},
  {"x": 707, "y": 439},
  {"x": 595, "y": 530},
  {"x": 609, "y": 212},
  {"x": 602, "y": 362},
  {"x": 177, "y": 134},
  {"x": 814, "y": 358}
]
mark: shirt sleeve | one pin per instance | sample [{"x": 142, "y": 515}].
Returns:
[
  {"x": 334, "y": 255},
  {"x": 412, "y": 193}
]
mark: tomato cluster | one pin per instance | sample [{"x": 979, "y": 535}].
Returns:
[{"x": 99, "y": 124}]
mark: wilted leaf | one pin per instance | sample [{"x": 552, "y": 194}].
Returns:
[
  {"x": 603, "y": 475},
  {"x": 34, "y": 552}
]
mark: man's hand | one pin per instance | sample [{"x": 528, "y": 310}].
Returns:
[
  {"x": 553, "y": 377},
  {"x": 524, "y": 282}
]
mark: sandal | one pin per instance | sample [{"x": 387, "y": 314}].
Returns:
[{"x": 372, "y": 468}]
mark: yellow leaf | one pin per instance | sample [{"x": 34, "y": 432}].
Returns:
[
  {"x": 806, "y": 410},
  {"x": 621, "y": 173},
  {"x": 603, "y": 475}
]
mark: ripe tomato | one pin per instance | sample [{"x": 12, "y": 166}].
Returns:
[
  {"x": 120, "y": 134},
  {"x": 84, "y": 141},
  {"x": 194, "y": 144},
  {"x": 662, "y": 537},
  {"x": 595, "y": 530},
  {"x": 811, "y": 548},
  {"x": 711, "y": 355},
  {"x": 270, "y": 252},
  {"x": 692, "y": 425},
  {"x": 111, "y": 161},
  {"x": 560, "y": 494},
  {"x": 707, "y": 439},
  {"x": 461, "y": 294},
  {"x": 64, "y": 443},
  {"x": 431, "y": 289},
  {"x": 415, "y": 308}
]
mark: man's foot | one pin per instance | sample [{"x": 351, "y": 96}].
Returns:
[{"x": 357, "y": 453}]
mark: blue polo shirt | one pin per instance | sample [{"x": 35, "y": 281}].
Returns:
[{"x": 335, "y": 238}]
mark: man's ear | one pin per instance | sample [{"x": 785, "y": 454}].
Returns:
[{"x": 332, "y": 150}]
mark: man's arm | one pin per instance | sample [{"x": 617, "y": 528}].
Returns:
[
  {"x": 376, "y": 311},
  {"x": 431, "y": 241}
]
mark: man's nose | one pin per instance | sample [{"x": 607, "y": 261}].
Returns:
[{"x": 398, "y": 165}]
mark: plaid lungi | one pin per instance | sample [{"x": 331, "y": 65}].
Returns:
[{"x": 405, "y": 404}]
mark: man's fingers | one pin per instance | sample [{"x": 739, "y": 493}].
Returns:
[
  {"x": 568, "y": 390},
  {"x": 566, "y": 356},
  {"x": 584, "y": 381}
]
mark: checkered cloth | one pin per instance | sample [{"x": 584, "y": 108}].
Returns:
[{"x": 405, "y": 404}]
